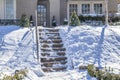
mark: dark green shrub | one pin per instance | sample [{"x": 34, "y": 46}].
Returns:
[
  {"x": 92, "y": 18},
  {"x": 54, "y": 22},
  {"x": 74, "y": 20},
  {"x": 24, "y": 21},
  {"x": 114, "y": 19}
]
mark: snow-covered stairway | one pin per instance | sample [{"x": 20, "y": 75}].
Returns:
[{"x": 53, "y": 56}]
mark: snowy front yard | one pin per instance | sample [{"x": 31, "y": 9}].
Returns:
[{"x": 84, "y": 44}]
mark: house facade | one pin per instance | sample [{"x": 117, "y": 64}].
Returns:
[{"x": 61, "y": 9}]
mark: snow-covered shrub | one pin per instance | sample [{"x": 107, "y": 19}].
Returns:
[
  {"x": 24, "y": 21},
  {"x": 7, "y": 77},
  {"x": 74, "y": 20},
  {"x": 91, "y": 70},
  {"x": 17, "y": 76},
  {"x": 102, "y": 75}
]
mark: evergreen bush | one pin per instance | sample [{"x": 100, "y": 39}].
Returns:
[
  {"x": 54, "y": 22},
  {"x": 24, "y": 21},
  {"x": 102, "y": 75},
  {"x": 74, "y": 20},
  {"x": 92, "y": 18}
]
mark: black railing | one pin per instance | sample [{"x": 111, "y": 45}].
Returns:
[{"x": 9, "y": 21}]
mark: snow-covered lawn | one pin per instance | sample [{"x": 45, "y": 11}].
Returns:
[
  {"x": 68, "y": 75},
  {"x": 17, "y": 50},
  {"x": 84, "y": 44}
]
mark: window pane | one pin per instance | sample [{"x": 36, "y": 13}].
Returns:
[{"x": 9, "y": 9}]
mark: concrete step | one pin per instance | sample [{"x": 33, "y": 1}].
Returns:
[
  {"x": 50, "y": 64},
  {"x": 51, "y": 59},
  {"x": 53, "y": 49},
  {"x": 52, "y": 69},
  {"x": 51, "y": 37},
  {"x": 53, "y": 41},
  {"x": 57, "y": 45},
  {"x": 49, "y": 29},
  {"x": 45, "y": 41},
  {"x": 61, "y": 53},
  {"x": 56, "y": 40},
  {"x": 59, "y": 49},
  {"x": 45, "y": 45},
  {"x": 45, "y": 54},
  {"x": 42, "y": 33},
  {"x": 49, "y": 54}
]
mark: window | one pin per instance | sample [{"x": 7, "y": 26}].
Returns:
[
  {"x": 118, "y": 8},
  {"x": 98, "y": 8},
  {"x": 42, "y": 15},
  {"x": 10, "y": 9},
  {"x": 72, "y": 8},
  {"x": 85, "y": 8}
]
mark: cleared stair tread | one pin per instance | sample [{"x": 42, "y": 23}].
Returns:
[
  {"x": 53, "y": 45},
  {"x": 48, "y": 33},
  {"x": 51, "y": 48},
  {"x": 57, "y": 53},
  {"x": 54, "y": 69},
  {"x": 50, "y": 64},
  {"x": 55, "y": 62},
  {"x": 53, "y": 59},
  {"x": 50, "y": 30}
]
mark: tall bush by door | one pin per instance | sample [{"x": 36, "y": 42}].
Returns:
[
  {"x": 24, "y": 21},
  {"x": 74, "y": 20},
  {"x": 54, "y": 23}
]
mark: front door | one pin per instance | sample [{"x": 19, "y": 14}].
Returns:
[
  {"x": 43, "y": 9},
  {"x": 42, "y": 15}
]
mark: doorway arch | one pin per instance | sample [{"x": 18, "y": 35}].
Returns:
[{"x": 43, "y": 11}]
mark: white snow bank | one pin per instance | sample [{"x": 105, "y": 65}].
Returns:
[
  {"x": 17, "y": 50},
  {"x": 92, "y": 45},
  {"x": 68, "y": 75}
]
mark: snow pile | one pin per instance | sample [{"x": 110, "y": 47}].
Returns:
[
  {"x": 92, "y": 45},
  {"x": 17, "y": 51},
  {"x": 68, "y": 75},
  {"x": 84, "y": 44}
]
